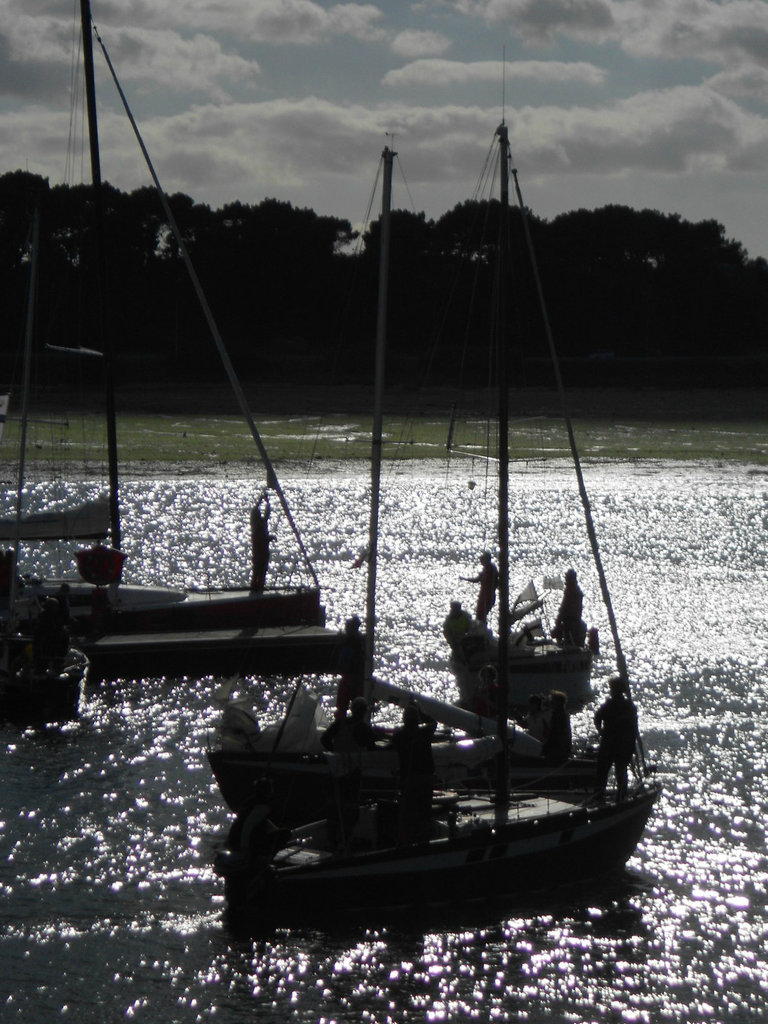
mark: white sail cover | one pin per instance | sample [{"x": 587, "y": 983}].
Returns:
[
  {"x": 89, "y": 521},
  {"x": 455, "y": 717}
]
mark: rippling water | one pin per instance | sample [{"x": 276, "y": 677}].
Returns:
[{"x": 110, "y": 909}]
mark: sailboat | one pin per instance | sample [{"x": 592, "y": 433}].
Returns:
[
  {"x": 131, "y": 629},
  {"x": 290, "y": 751},
  {"x": 471, "y": 845},
  {"x": 41, "y": 674}
]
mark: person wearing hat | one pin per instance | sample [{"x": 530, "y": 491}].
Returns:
[
  {"x": 488, "y": 578},
  {"x": 456, "y": 625},
  {"x": 350, "y": 666}
]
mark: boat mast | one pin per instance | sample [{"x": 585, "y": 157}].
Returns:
[
  {"x": 105, "y": 342},
  {"x": 502, "y": 270},
  {"x": 272, "y": 480},
  {"x": 26, "y": 388},
  {"x": 378, "y": 399}
]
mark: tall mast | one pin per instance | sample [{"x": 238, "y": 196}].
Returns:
[
  {"x": 378, "y": 401},
  {"x": 104, "y": 339},
  {"x": 502, "y": 783},
  {"x": 272, "y": 480},
  {"x": 26, "y": 387}
]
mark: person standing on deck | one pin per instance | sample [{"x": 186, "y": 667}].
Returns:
[
  {"x": 350, "y": 666},
  {"x": 616, "y": 722},
  {"x": 413, "y": 744},
  {"x": 456, "y": 625},
  {"x": 348, "y": 737},
  {"x": 569, "y": 626},
  {"x": 260, "y": 541},
  {"x": 488, "y": 578},
  {"x": 556, "y": 748}
]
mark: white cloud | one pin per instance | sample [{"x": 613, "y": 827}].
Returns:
[
  {"x": 193, "y": 67},
  {"x": 749, "y": 82},
  {"x": 166, "y": 59},
  {"x": 36, "y": 36},
  {"x": 284, "y": 144},
  {"x": 274, "y": 22},
  {"x": 412, "y": 43},
  {"x": 721, "y": 33},
  {"x": 543, "y": 20},
  {"x": 448, "y": 72}
]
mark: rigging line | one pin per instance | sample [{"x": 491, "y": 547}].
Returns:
[
  {"x": 462, "y": 256},
  {"x": 342, "y": 320},
  {"x": 621, "y": 661},
  {"x": 405, "y": 182},
  {"x": 272, "y": 480}
]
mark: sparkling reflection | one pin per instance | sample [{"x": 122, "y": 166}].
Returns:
[{"x": 108, "y": 826}]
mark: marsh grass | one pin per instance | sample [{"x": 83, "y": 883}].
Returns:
[{"x": 214, "y": 439}]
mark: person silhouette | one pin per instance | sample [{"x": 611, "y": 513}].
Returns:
[{"x": 488, "y": 578}]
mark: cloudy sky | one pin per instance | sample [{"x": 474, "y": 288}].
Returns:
[{"x": 649, "y": 103}]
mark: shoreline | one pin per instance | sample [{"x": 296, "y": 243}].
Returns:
[
  {"x": 203, "y": 432},
  {"x": 599, "y": 403}
]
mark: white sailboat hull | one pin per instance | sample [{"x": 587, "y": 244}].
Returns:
[{"x": 533, "y": 669}]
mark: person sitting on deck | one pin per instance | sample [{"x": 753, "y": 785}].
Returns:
[
  {"x": 536, "y": 720},
  {"x": 252, "y": 832},
  {"x": 353, "y": 733}
]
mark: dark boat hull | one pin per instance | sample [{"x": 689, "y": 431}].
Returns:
[
  {"x": 43, "y": 697},
  {"x": 221, "y": 652},
  {"x": 509, "y": 859},
  {"x": 151, "y": 631}
]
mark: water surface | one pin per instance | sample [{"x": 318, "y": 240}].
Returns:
[{"x": 108, "y": 826}]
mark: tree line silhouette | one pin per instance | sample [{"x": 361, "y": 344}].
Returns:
[{"x": 632, "y": 296}]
